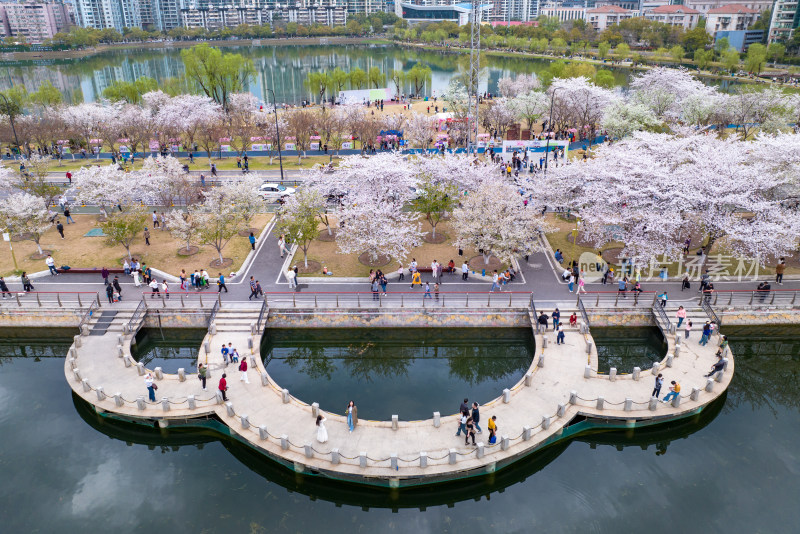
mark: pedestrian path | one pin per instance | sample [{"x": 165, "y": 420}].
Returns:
[{"x": 560, "y": 385}]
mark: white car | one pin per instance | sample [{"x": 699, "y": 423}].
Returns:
[{"x": 272, "y": 191}]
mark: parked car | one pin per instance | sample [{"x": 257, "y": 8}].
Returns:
[{"x": 272, "y": 191}]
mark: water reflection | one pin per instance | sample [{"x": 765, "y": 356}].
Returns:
[
  {"x": 408, "y": 372},
  {"x": 170, "y": 348},
  {"x": 627, "y": 347}
]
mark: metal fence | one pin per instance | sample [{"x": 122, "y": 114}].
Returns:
[
  {"x": 747, "y": 298},
  {"x": 409, "y": 299},
  {"x": 50, "y": 299}
]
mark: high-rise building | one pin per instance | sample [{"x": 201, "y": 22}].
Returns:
[
  {"x": 513, "y": 10},
  {"x": 102, "y": 14},
  {"x": 785, "y": 18},
  {"x": 217, "y": 14},
  {"x": 35, "y": 20}
]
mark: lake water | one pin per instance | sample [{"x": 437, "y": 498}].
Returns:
[
  {"x": 281, "y": 68},
  {"x": 735, "y": 468}
]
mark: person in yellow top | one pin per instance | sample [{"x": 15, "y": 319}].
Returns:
[
  {"x": 674, "y": 391},
  {"x": 416, "y": 279},
  {"x": 492, "y": 426}
]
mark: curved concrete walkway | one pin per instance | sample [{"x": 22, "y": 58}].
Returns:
[{"x": 531, "y": 414}]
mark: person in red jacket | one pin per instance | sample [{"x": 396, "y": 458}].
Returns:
[
  {"x": 223, "y": 386},
  {"x": 243, "y": 369}
]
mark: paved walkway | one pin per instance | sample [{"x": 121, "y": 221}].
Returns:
[{"x": 267, "y": 417}]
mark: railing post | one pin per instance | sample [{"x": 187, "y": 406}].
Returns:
[
  {"x": 183, "y": 304},
  {"x": 315, "y": 300},
  {"x": 16, "y": 295},
  {"x": 467, "y": 303},
  {"x": 219, "y": 298},
  {"x": 79, "y": 300},
  {"x": 730, "y": 300},
  {"x": 597, "y": 302},
  {"x": 97, "y": 296},
  {"x": 401, "y": 300},
  {"x": 337, "y": 300},
  {"x": 380, "y": 300},
  {"x": 716, "y": 296},
  {"x": 752, "y": 295},
  {"x": 794, "y": 296},
  {"x": 489, "y": 299},
  {"x": 201, "y": 300},
  {"x": 771, "y": 302},
  {"x": 38, "y": 301},
  {"x": 294, "y": 300},
  {"x": 58, "y": 298},
  {"x": 616, "y": 301},
  {"x": 358, "y": 299},
  {"x": 163, "y": 301}
]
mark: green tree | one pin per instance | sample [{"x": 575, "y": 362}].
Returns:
[
  {"x": 696, "y": 38},
  {"x": 376, "y": 77},
  {"x": 291, "y": 29},
  {"x": 358, "y": 78},
  {"x": 318, "y": 82},
  {"x": 730, "y": 59},
  {"x": 703, "y": 58},
  {"x": 338, "y": 79},
  {"x": 435, "y": 200},
  {"x": 602, "y": 49},
  {"x": 676, "y": 53},
  {"x": 721, "y": 45},
  {"x": 622, "y": 51},
  {"x": 46, "y": 96},
  {"x": 121, "y": 228},
  {"x": 216, "y": 74},
  {"x": 418, "y": 76},
  {"x": 130, "y": 92},
  {"x": 763, "y": 21},
  {"x": 605, "y": 78},
  {"x": 775, "y": 52},
  {"x": 398, "y": 78},
  {"x": 756, "y": 57},
  {"x": 558, "y": 45},
  {"x": 297, "y": 218}
]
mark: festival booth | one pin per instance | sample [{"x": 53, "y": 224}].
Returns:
[{"x": 532, "y": 145}]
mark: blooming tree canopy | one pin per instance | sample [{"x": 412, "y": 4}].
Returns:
[
  {"x": 23, "y": 214},
  {"x": 663, "y": 90},
  {"x": 520, "y": 85},
  {"x": 107, "y": 186},
  {"x": 495, "y": 220}
]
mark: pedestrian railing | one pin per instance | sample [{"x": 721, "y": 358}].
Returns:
[
  {"x": 88, "y": 315},
  {"x": 712, "y": 315},
  {"x": 136, "y": 318},
  {"x": 756, "y": 298},
  {"x": 407, "y": 299},
  {"x": 662, "y": 321},
  {"x": 213, "y": 314},
  {"x": 262, "y": 317},
  {"x": 59, "y": 299},
  {"x": 612, "y": 299},
  {"x": 584, "y": 315}
]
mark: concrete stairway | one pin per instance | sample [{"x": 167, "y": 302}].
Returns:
[{"x": 228, "y": 320}]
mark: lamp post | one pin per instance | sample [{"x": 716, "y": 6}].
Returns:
[
  {"x": 550, "y": 124},
  {"x": 7, "y": 103},
  {"x": 277, "y": 130}
]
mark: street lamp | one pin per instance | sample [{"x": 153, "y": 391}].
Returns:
[
  {"x": 277, "y": 130},
  {"x": 7, "y": 103},
  {"x": 549, "y": 123}
]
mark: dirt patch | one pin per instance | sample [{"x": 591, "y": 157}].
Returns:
[
  {"x": 326, "y": 237},
  {"x": 246, "y": 233},
  {"x": 313, "y": 267},
  {"x": 380, "y": 261},
  {"x": 437, "y": 239},
  {"x": 226, "y": 262},
  {"x": 191, "y": 251},
  {"x": 37, "y": 256},
  {"x": 582, "y": 240},
  {"x": 612, "y": 255},
  {"x": 477, "y": 264}
]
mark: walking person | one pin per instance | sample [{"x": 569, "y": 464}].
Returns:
[
  {"x": 51, "y": 264},
  {"x": 416, "y": 279},
  {"x": 663, "y": 296},
  {"x": 243, "y": 370},
  {"x": 476, "y": 417},
  {"x": 681, "y": 315},
  {"x": 674, "y": 391},
  {"x": 495, "y": 282},
  {"x": 290, "y": 276},
  {"x": 221, "y": 284},
  {"x": 469, "y": 431},
  {"x": 556, "y": 317},
  {"x": 400, "y": 275},
  {"x": 706, "y": 334},
  {"x": 322, "y": 432},
  {"x": 779, "y": 270},
  {"x": 68, "y": 216},
  {"x": 542, "y": 322},
  {"x": 464, "y": 271},
  {"x": 427, "y": 291},
  {"x": 155, "y": 219},
  {"x": 560, "y": 334},
  {"x": 60, "y": 228},
  {"x": 253, "y": 289},
  {"x": 352, "y": 416},
  {"x": 375, "y": 289},
  {"x": 147, "y": 237},
  {"x": 462, "y": 422},
  {"x": 492, "y": 426},
  {"x": 153, "y": 288},
  {"x": 223, "y": 386},
  {"x": 201, "y": 375},
  {"x": 151, "y": 387},
  {"x": 685, "y": 282},
  {"x": 657, "y": 389},
  {"x": 165, "y": 289},
  {"x": 688, "y": 329},
  {"x": 282, "y": 245},
  {"x": 571, "y": 282},
  {"x": 110, "y": 293},
  {"x": 252, "y": 239},
  {"x": 4, "y": 288}
]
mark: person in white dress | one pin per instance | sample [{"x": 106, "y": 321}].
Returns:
[
  {"x": 322, "y": 432},
  {"x": 137, "y": 281}
]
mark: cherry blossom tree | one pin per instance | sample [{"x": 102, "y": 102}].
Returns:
[
  {"x": 498, "y": 115},
  {"x": 23, "y": 215},
  {"x": 623, "y": 118},
  {"x": 579, "y": 102},
  {"x": 122, "y": 228},
  {"x": 106, "y": 186},
  {"x": 419, "y": 130},
  {"x": 663, "y": 90},
  {"x": 186, "y": 114},
  {"x": 378, "y": 229},
  {"x": 522, "y": 84},
  {"x": 183, "y": 226},
  {"x": 218, "y": 220},
  {"x": 495, "y": 220},
  {"x": 243, "y": 121},
  {"x": 164, "y": 181},
  {"x": 530, "y": 106},
  {"x": 754, "y": 108}
]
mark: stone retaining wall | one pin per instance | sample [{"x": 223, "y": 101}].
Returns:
[{"x": 394, "y": 318}]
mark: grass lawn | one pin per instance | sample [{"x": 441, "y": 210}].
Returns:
[
  {"x": 79, "y": 251},
  {"x": 327, "y": 254}
]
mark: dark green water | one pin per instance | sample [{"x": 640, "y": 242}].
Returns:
[
  {"x": 410, "y": 372},
  {"x": 169, "y": 349},
  {"x": 734, "y": 469},
  {"x": 627, "y": 347}
]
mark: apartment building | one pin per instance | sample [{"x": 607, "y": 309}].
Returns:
[
  {"x": 729, "y": 18},
  {"x": 674, "y": 15},
  {"x": 563, "y": 13},
  {"x": 785, "y": 18},
  {"x": 704, "y": 6},
  {"x": 601, "y": 18},
  {"x": 33, "y": 20}
]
